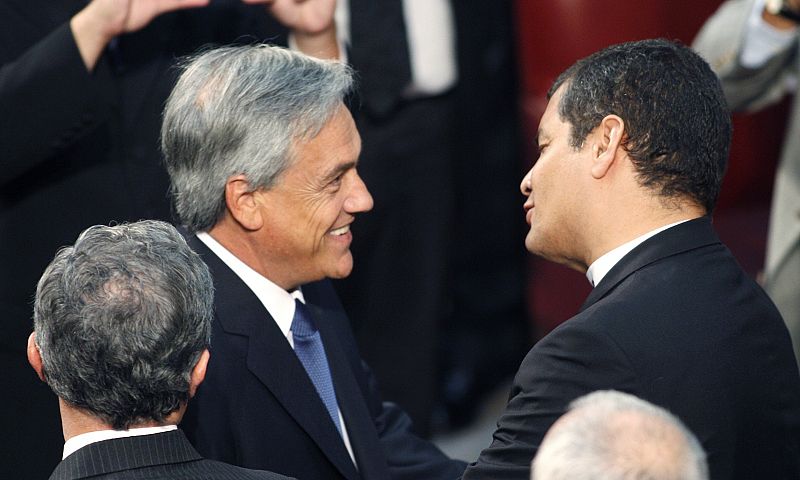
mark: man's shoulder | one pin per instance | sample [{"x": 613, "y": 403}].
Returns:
[
  {"x": 683, "y": 308},
  {"x": 198, "y": 469},
  {"x": 227, "y": 471}
]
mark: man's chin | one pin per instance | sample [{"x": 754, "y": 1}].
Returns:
[
  {"x": 343, "y": 267},
  {"x": 530, "y": 243}
]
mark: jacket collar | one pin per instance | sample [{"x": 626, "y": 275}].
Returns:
[
  {"x": 239, "y": 312},
  {"x": 125, "y": 454},
  {"x": 678, "y": 239}
]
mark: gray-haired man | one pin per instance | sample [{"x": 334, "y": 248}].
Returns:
[
  {"x": 262, "y": 154},
  {"x": 122, "y": 325},
  {"x": 610, "y": 435}
]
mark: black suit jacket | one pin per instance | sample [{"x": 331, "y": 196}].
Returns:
[
  {"x": 678, "y": 323},
  {"x": 78, "y": 149},
  {"x": 161, "y": 455},
  {"x": 258, "y": 408}
]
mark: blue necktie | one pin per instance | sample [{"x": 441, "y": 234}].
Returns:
[{"x": 311, "y": 353}]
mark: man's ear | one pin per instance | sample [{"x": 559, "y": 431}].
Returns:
[
  {"x": 34, "y": 357},
  {"x": 607, "y": 144},
  {"x": 242, "y": 204},
  {"x": 198, "y": 372}
]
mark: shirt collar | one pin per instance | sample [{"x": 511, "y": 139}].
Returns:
[
  {"x": 600, "y": 267},
  {"x": 79, "y": 441},
  {"x": 278, "y": 302}
]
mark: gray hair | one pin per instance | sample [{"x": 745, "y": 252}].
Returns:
[
  {"x": 611, "y": 435},
  {"x": 121, "y": 318},
  {"x": 239, "y": 110}
]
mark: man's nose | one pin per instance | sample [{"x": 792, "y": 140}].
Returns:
[
  {"x": 525, "y": 185},
  {"x": 359, "y": 199}
]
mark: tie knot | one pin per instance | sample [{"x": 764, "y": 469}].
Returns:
[{"x": 302, "y": 323}]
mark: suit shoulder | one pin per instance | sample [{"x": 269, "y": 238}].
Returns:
[{"x": 227, "y": 471}]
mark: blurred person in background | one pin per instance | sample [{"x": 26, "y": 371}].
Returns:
[
  {"x": 753, "y": 47},
  {"x": 436, "y": 109}
]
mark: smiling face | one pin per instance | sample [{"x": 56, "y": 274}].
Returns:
[
  {"x": 555, "y": 191},
  {"x": 308, "y": 212}
]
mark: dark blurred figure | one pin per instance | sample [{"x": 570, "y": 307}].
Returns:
[
  {"x": 610, "y": 435},
  {"x": 81, "y": 92},
  {"x": 753, "y": 47},
  {"x": 437, "y": 285},
  {"x": 123, "y": 324},
  {"x": 488, "y": 330}
]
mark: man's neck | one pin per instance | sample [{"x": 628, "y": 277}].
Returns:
[
  {"x": 75, "y": 421},
  {"x": 600, "y": 267},
  {"x": 242, "y": 244},
  {"x": 616, "y": 230}
]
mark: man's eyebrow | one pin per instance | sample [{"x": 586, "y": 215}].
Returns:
[
  {"x": 540, "y": 135},
  {"x": 338, "y": 170}
]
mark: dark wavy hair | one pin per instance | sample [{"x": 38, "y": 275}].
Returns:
[{"x": 677, "y": 122}]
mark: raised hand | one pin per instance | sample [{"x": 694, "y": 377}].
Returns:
[{"x": 101, "y": 20}]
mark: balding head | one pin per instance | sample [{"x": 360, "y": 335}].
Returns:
[{"x": 615, "y": 436}]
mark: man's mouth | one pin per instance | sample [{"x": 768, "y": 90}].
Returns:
[{"x": 340, "y": 231}]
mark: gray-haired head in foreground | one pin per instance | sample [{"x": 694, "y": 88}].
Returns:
[
  {"x": 238, "y": 110},
  {"x": 609, "y": 435},
  {"x": 121, "y": 318}
]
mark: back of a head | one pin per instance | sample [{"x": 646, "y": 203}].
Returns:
[
  {"x": 608, "y": 435},
  {"x": 121, "y": 318},
  {"x": 677, "y": 123},
  {"x": 239, "y": 110}
]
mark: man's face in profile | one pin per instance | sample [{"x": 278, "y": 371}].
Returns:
[
  {"x": 553, "y": 188},
  {"x": 309, "y": 210}
]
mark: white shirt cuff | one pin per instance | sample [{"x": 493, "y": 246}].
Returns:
[{"x": 762, "y": 40}]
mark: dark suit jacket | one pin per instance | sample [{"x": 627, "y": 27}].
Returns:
[
  {"x": 257, "y": 407},
  {"x": 78, "y": 149},
  {"x": 162, "y": 455},
  {"x": 678, "y": 323}
]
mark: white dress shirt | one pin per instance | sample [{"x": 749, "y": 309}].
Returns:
[
  {"x": 79, "y": 441},
  {"x": 430, "y": 33},
  {"x": 278, "y": 302},
  {"x": 600, "y": 267}
]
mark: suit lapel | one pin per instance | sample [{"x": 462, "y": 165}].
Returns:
[
  {"x": 271, "y": 359},
  {"x": 680, "y": 238},
  {"x": 274, "y": 363},
  {"x": 126, "y": 454}
]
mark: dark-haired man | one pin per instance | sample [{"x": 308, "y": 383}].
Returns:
[
  {"x": 633, "y": 147},
  {"x": 123, "y": 322}
]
